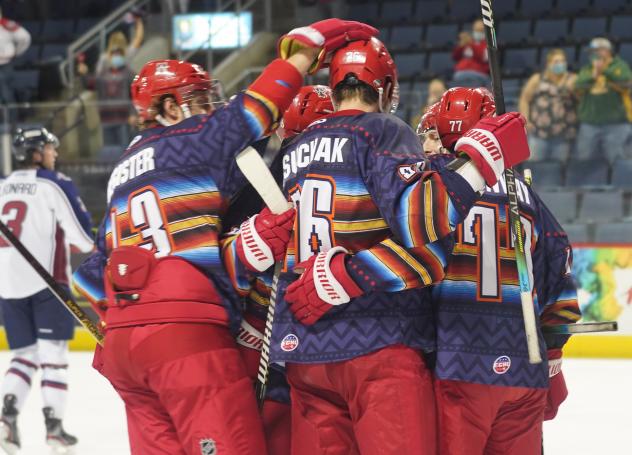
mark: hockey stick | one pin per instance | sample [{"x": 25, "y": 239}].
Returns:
[
  {"x": 586, "y": 327},
  {"x": 258, "y": 174},
  {"x": 59, "y": 292},
  {"x": 526, "y": 299}
]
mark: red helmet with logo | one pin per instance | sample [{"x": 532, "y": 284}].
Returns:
[
  {"x": 370, "y": 62},
  {"x": 311, "y": 103},
  {"x": 460, "y": 108},
  {"x": 428, "y": 120},
  {"x": 167, "y": 77}
]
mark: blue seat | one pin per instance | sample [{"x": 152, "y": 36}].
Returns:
[
  {"x": 576, "y": 232},
  {"x": 512, "y": 88},
  {"x": 84, "y": 24},
  {"x": 57, "y": 30},
  {"x": 465, "y": 10},
  {"x": 563, "y": 204},
  {"x": 396, "y": 11},
  {"x": 611, "y": 6},
  {"x": 429, "y": 11},
  {"x": 601, "y": 206},
  {"x": 621, "y": 27},
  {"x": 409, "y": 65},
  {"x": 572, "y": 7},
  {"x": 520, "y": 61},
  {"x": 625, "y": 52},
  {"x": 25, "y": 84},
  {"x": 550, "y": 30},
  {"x": 586, "y": 28},
  {"x": 53, "y": 51},
  {"x": 33, "y": 27},
  {"x": 29, "y": 57},
  {"x": 505, "y": 9},
  {"x": 403, "y": 37},
  {"x": 622, "y": 174},
  {"x": 614, "y": 232},
  {"x": 441, "y": 35},
  {"x": 587, "y": 173},
  {"x": 440, "y": 64},
  {"x": 514, "y": 32},
  {"x": 546, "y": 173},
  {"x": 536, "y": 8},
  {"x": 364, "y": 12}
]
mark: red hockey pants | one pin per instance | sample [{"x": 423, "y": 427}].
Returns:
[
  {"x": 185, "y": 390},
  {"x": 476, "y": 419},
  {"x": 380, "y": 403}
]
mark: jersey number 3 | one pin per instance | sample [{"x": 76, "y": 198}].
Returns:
[{"x": 13, "y": 214}]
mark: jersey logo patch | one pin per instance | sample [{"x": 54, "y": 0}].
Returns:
[
  {"x": 407, "y": 172},
  {"x": 502, "y": 364},
  {"x": 208, "y": 447},
  {"x": 289, "y": 342}
]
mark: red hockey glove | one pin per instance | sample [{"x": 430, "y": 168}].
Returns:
[
  {"x": 264, "y": 238},
  {"x": 324, "y": 283},
  {"x": 557, "y": 392},
  {"x": 329, "y": 35},
  {"x": 495, "y": 144}
]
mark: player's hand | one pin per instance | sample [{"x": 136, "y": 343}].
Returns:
[
  {"x": 264, "y": 238},
  {"x": 496, "y": 143},
  {"x": 324, "y": 283},
  {"x": 327, "y": 35},
  {"x": 557, "y": 392}
]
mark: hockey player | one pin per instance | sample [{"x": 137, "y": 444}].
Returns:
[
  {"x": 491, "y": 400},
  {"x": 311, "y": 103},
  {"x": 371, "y": 227},
  {"x": 427, "y": 132},
  {"x": 42, "y": 208},
  {"x": 168, "y": 306}
]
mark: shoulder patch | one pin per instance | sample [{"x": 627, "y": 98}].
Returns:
[{"x": 408, "y": 172}]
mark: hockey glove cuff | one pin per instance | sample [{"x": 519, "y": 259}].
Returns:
[
  {"x": 264, "y": 238},
  {"x": 324, "y": 283},
  {"x": 495, "y": 144}
]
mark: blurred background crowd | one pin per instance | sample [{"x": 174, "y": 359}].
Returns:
[{"x": 565, "y": 63}]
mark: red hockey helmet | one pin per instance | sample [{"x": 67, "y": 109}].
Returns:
[
  {"x": 428, "y": 120},
  {"x": 311, "y": 103},
  {"x": 370, "y": 62},
  {"x": 167, "y": 77},
  {"x": 460, "y": 108}
]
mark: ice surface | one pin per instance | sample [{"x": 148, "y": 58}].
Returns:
[{"x": 595, "y": 419}]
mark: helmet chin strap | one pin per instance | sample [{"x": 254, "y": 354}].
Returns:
[
  {"x": 380, "y": 96},
  {"x": 185, "y": 110}
]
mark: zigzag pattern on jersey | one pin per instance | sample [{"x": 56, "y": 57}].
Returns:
[
  {"x": 478, "y": 334},
  {"x": 364, "y": 325},
  {"x": 466, "y": 367}
]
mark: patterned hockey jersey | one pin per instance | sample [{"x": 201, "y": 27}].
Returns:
[
  {"x": 357, "y": 181},
  {"x": 43, "y": 209},
  {"x": 480, "y": 330},
  {"x": 171, "y": 188}
]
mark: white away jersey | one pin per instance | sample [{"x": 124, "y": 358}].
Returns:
[{"x": 42, "y": 208}]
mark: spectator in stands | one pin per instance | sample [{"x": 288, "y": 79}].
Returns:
[
  {"x": 470, "y": 55},
  {"x": 605, "y": 107},
  {"x": 548, "y": 104},
  {"x": 113, "y": 78},
  {"x": 436, "y": 89},
  {"x": 14, "y": 41}
]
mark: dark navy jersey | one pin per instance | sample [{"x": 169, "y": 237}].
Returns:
[
  {"x": 480, "y": 329},
  {"x": 170, "y": 190},
  {"x": 358, "y": 181}
]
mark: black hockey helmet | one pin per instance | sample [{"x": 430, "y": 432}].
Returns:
[{"x": 29, "y": 140}]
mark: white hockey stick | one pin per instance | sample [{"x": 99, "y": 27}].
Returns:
[{"x": 259, "y": 175}]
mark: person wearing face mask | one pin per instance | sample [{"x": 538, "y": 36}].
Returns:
[
  {"x": 605, "y": 107},
  {"x": 470, "y": 54},
  {"x": 548, "y": 104}
]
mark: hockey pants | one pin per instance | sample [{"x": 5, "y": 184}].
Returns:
[
  {"x": 477, "y": 419},
  {"x": 380, "y": 403},
  {"x": 185, "y": 390}
]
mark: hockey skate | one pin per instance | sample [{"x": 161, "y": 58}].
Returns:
[
  {"x": 9, "y": 436},
  {"x": 59, "y": 441}
]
